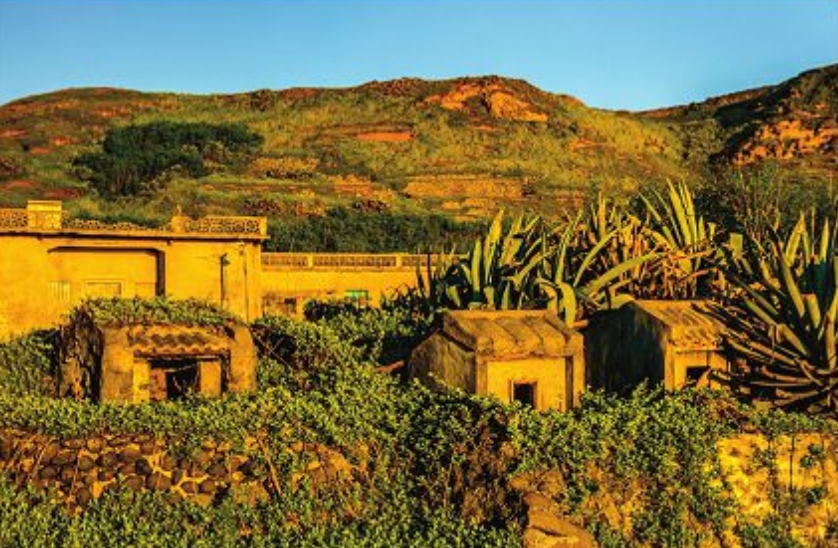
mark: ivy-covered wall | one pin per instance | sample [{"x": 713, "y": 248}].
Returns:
[{"x": 760, "y": 477}]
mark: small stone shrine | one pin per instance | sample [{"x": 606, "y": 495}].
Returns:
[
  {"x": 142, "y": 362},
  {"x": 669, "y": 343},
  {"x": 525, "y": 356}
]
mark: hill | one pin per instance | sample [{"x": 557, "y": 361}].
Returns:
[
  {"x": 794, "y": 124},
  {"x": 460, "y": 147}
]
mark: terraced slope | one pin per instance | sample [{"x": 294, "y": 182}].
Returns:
[{"x": 461, "y": 147}]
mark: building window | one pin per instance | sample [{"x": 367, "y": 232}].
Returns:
[
  {"x": 59, "y": 291},
  {"x": 102, "y": 288},
  {"x": 697, "y": 376},
  {"x": 525, "y": 393},
  {"x": 359, "y": 297}
]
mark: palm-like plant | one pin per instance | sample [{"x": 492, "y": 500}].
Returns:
[{"x": 783, "y": 323}]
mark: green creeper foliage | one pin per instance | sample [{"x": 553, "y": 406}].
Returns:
[
  {"x": 118, "y": 312},
  {"x": 26, "y": 364},
  {"x": 385, "y": 335},
  {"x": 428, "y": 454}
]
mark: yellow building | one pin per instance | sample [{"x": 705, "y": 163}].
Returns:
[
  {"x": 291, "y": 279},
  {"x": 49, "y": 262},
  {"x": 527, "y": 356}
]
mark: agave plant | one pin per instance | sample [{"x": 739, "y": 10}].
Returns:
[
  {"x": 630, "y": 239},
  {"x": 580, "y": 266},
  {"x": 783, "y": 323},
  {"x": 589, "y": 266},
  {"x": 689, "y": 241},
  {"x": 497, "y": 271},
  {"x": 427, "y": 297},
  {"x": 598, "y": 259}
]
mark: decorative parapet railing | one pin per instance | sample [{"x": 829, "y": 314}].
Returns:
[
  {"x": 354, "y": 261},
  {"x": 14, "y": 218},
  {"x": 219, "y": 224},
  {"x": 94, "y": 225},
  {"x": 39, "y": 216}
]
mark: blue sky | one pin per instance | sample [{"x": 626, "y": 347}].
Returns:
[{"x": 629, "y": 54}]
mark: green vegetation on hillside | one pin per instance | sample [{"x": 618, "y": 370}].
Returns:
[
  {"x": 134, "y": 158},
  {"x": 460, "y": 147},
  {"x": 345, "y": 229}
]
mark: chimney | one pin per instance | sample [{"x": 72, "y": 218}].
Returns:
[
  {"x": 179, "y": 222},
  {"x": 44, "y": 214}
]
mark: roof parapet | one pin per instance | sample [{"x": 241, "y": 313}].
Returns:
[{"x": 49, "y": 216}]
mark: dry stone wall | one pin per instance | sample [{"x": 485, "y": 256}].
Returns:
[
  {"x": 77, "y": 470},
  {"x": 760, "y": 475},
  {"x": 797, "y": 474}
]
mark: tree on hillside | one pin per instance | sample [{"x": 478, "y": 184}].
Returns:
[{"x": 134, "y": 159}]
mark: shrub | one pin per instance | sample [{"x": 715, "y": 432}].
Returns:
[
  {"x": 384, "y": 335},
  {"x": 348, "y": 230},
  {"x": 134, "y": 158},
  {"x": 287, "y": 167},
  {"x": 427, "y": 457},
  {"x": 117, "y": 311},
  {"x": 26, "y": 364}
]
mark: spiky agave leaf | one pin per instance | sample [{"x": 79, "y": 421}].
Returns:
[
  {"x": 675, "y": 227},
  {"x": 782, "y": 324}
]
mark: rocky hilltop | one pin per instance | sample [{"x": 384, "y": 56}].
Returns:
[{"x": 459, "y": 146}]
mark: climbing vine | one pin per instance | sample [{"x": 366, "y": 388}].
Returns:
[{"x": 428, "y": 456}]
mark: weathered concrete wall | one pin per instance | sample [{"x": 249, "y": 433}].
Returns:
[
  {"x": 439, "y": 362},
  {"x": 666, "y": 343},
  {"x": 622, "y": 350},
  {"x": 104, "y": 272},
  {"x": 194, "y": 269},
  {"x": 550, "y": 374}
]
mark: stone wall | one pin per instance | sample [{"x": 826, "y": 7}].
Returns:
[
  {"x": 797, "y": 474},
  {"x": 77, "y": 470},
  {"x": 793, "y": 475}
]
